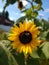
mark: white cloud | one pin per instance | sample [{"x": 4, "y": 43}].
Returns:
[
  {"x": 17, "y": 13},
  {"x": 11, "y": 18},
  {"x": 46, "y": 10},
  {"x": 24, "y": 2},
  {"x": 1, "y": 10},
  {"x": 22, "y": 14},
  {"x": 40, "y": 14}
]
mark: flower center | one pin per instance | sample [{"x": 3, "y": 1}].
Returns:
[{"x": 25, "y": 37}]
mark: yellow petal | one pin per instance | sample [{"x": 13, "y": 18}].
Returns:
[
  {"x": 29, "y": 25},
  {"x": 21, "y": 27},
  {"x": 24, "y": 49},
  {"x": 15, "y": 29},
  {"x": 13, "y": 35},
  {"x": 35, "y": 29},
  {"x": 11, "y": 38},
  {"x": 21, "y": 49},
  {"x": 30, "y": 50},
  {"x": 25, "y": 25},
  {"x": 27, "y": 50},
  {"x": 31, "y": 29}
]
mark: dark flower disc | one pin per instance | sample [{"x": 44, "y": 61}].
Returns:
[{"x": 25, "y": 37}]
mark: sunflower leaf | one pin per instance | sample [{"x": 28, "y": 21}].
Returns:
[
  {"x": 38, "y": 1},
  {"x": 32, "y": 61},
  {"x": 34, "y": 54},
  {"x": 20, "y": 58},
  {"x": 6, "y": 58},
  {"x": 45, "y": 49}
]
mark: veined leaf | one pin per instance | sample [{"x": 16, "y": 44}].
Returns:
[
  {"x": 45, "y": 49},
  {"x": 6, "y": 57},
  {"x": 34, "y": 54},
  {"x": 38, "y": 7}
]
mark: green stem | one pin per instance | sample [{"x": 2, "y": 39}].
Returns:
[{"x": 25, "y": 61}]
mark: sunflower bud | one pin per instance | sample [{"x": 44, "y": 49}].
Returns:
[{"x": 20, "y": 4}]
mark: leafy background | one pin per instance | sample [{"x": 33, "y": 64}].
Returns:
[{"x": 39, "y": 57}]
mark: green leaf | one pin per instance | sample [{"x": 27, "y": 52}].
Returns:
[
  {"x": 6, "y": 44},
  {"x": 3, "y": 36},
  {"x": 38, "y": 1},
  {"x": 40, "y": 52},
  {"x": 34, "y": 14},
  {"x": 47, "y": 37},
  {"x": 34, "y": 54},
  {"x": 43, "y": 35},
  {"x": 32, "y": 61},
  {"x": 12, "y": 1},
  {"x": 45, "y": 24},
  {"x": 2, "y": 0},
  {"x": 21, "y": 19},
  {"x": 3, "y": 57},
  {"x": 45, "y": 49},
  {"x": 37, "y": 7},
  {"x": 31, "y": 14},
  {"x": 6, "y": 58},
  {"x": 8, "y": 2},
  {"x": 19, "y": 58},
  {"x": 37, "y": 22}
]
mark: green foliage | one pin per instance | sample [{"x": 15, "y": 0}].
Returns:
[
  {"x": 45, "y": 49},
  {"x": 21, "y": 19},
  {"x": 37, "y": 22},
  {"x": 9, "y": 2},
  {"x": 31, "y": 14},
  {"x": 20, "y": 58},
  {"x": 3, "y": 57},
  {"x": 2, "y": 0},
  {"x": 38, "y": 1},
  {"x": 47, "y": 36},
  {"x": 37, "y": 7},
  {"x": 32, "y": 61},
  {"x": 34, "y": 54},
  {"x": 12, "y": 57},
  {"x": 6, "y": 58},
  {"x": 3, "y": 36}
]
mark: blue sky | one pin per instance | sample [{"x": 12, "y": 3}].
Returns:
[
  {"x": 45, "y": 13},
  {"x": 14, "y": 12}
]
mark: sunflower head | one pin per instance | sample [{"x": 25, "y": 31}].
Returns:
[{"x": 24, "y": 37}]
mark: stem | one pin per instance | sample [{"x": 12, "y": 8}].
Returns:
[
  {"x": 25, "y": 61},
  {"x": 31, "y": 4}
]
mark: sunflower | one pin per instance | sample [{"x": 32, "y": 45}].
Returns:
[{"x": 24, "y": 37}]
